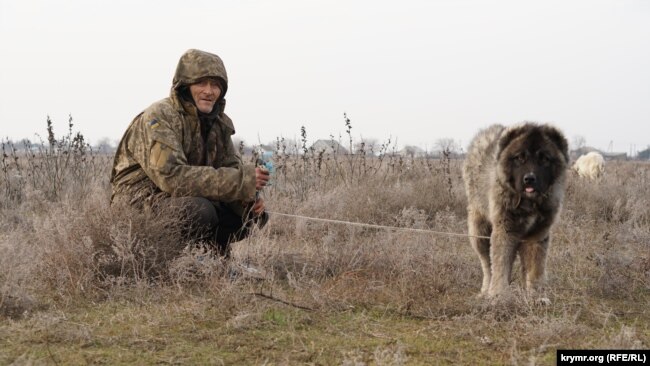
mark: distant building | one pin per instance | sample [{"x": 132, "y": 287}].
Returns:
[
  {"x": 575, "y": 154},
  {"x": 412, "y": 152},
  {"x": 644, "y": 154},
  {"x": 614, "y": 156},
  {"x": 328, "y": 147}
]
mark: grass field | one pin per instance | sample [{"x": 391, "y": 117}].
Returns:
[{"x": 83, "y": 283}]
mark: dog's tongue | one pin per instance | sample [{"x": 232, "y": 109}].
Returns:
[{"x": 530, "y": 189}]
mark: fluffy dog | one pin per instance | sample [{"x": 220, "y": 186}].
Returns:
[
  {"x": 591, "y": 165},
  {"x": 514, "y": 179}
]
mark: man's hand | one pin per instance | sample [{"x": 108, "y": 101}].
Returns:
[
  {"x": 261, "y": 178},
  {"x": 258, "y": 206}
]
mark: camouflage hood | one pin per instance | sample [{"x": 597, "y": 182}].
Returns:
[{"x": 196, "y": 64}]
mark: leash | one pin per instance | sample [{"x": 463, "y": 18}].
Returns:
[{"x": 376, "y": 226}]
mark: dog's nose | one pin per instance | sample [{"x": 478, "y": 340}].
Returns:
[{"x": 529, "y": 178}]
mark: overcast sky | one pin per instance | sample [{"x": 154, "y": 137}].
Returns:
[{"x": 417, "y": 71}]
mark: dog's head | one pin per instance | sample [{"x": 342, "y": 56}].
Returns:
[{"x": 532, "y": 158}]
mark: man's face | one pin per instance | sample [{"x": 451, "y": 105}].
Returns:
[{"x": 205, "y": 93}]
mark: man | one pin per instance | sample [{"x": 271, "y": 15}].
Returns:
[{"x": 179, "y": 153}]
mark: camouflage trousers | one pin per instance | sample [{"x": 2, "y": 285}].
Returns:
[{"x": 213, "y": 223}]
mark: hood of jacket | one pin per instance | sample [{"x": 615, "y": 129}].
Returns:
[{"x": 196, "y": 64}]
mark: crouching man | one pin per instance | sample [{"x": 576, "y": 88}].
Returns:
[{"x": 179, "y": 152}]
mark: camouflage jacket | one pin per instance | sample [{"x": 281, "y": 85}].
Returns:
[{"x": 163, "y": 153}]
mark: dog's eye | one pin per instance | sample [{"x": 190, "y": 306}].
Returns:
[
  {"x": 521, "y": 158},
  {"x": 544, "y": 159}
]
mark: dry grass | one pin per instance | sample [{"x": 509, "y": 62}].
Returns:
[{"x": 83, "y": 283}]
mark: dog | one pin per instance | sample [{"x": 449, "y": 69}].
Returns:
[
  {"x": 590, "y": 165},
  {"x": 515, "y": 181}
]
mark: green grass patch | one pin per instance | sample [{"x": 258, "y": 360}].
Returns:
[{"x": 196, "y": 330}]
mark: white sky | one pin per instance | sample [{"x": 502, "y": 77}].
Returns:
[{"x": 418, "y": 71}]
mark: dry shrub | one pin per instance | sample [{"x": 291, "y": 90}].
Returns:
[
  {"x": 599, "y": 248},
  {"x": 17, "y": 263},
  {"x": 141, "y": 245},
  {"x": 60, "y": 168},
  {"x": 342, "y": 267},
  {"x": 346, "y": 266},
  {"x": 392, "y": 355},
  {"x": 76, "y": 249},
  {"x": 67, "y": 246},
  {"x": 62, "y": 239},
  {"x": 602, "y": 240},
  {"x": 626, "y": 337},
  {"x": 72, "y": 248},
  {"x": 619, "y": 197},
  {"x": 382, "y": 202}
]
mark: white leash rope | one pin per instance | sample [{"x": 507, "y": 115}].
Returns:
[{"x": 376, "y": 226}]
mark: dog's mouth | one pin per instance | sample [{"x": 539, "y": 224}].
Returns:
[{"x": 529, "y": 190}]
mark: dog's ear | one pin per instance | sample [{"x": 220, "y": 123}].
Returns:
[
  {"x": 556, "y": 137},
  {"x": 506, "y": 138}
]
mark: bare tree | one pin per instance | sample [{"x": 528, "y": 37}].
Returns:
[
  {"x": 447, "y": 144},
  {"x": 369, "y": 145},
  {"x": 578, "y": 142},
  {"x": 105, "y": 145}
]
